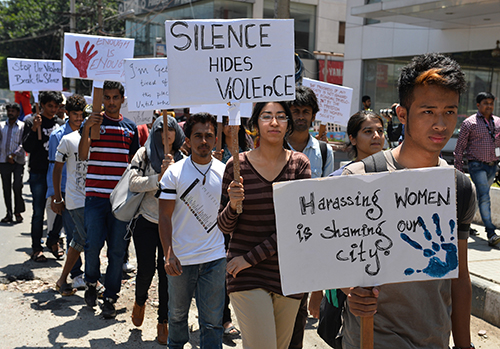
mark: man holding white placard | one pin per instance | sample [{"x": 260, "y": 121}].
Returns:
[
  {"x": 108, "y": 158},
  {"x": 421, "y": 314},
  {"x": 39, "y": 164}
]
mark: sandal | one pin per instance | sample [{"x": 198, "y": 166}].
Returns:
[
  {"x": 231, "y": 331},
  {"x": 38, "y": 257},
  {"x": 65, "y": 289},
  {"x": 56, "y": 250}
]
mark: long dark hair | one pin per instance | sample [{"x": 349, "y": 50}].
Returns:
[
  {"x": 242, "y": 136},
  {"x": 254, "y": 119},
  {"x": 354, "y": 125}
]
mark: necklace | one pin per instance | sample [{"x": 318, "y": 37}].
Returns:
[{"x": 203, "y": 174}]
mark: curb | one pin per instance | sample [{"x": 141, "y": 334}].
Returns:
[{"x": 486, "y": 300}]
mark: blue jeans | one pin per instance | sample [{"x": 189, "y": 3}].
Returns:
[
  {"x": 483, "y": 176},
  {"x": 38, "y": 187},
  {"x": 70, "y": 228},
  {"x": 101, "y": 225},
  {"x": 206, "y": 282}
]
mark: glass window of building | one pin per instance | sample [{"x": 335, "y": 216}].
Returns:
[{"x": 305, "y": 23}]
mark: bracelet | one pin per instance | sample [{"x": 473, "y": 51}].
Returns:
[{"x": 58, "y": 202}]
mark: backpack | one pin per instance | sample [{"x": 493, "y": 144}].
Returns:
[{"x": 324, "y": 154}]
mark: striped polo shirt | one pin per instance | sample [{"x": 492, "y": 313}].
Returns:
[{"x": 109, "y": 155}]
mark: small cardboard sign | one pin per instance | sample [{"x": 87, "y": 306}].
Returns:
[
  {"x": 366, "y": 230},
  {"x": 34, "y": 75},
  {"x": 96, "y": 57},
  {"x": 334, "y": 101},
  {"x": 147, "y": 84},
  {"x": 218, "y": 61}
]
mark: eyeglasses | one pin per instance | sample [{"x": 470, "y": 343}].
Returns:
[{"x": 268, "y": 117}]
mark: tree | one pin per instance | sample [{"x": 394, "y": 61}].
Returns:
[{"x": 34, "y": 28}]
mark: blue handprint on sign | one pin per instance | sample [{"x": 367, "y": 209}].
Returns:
[{"x": 436, "y": 267}]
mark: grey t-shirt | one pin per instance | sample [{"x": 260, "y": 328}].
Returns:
[{"x": 411, "y": 314}]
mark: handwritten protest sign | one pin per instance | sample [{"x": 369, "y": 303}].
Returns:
[
  {"x": 366, "y": 230},
  {"x": 96, "y": 57},
  {"x": 334, "y": 101},
  {"x": 34, "y": 75},
  {"x": 148, "y": 79},
  {"x": 138, "y": 116},
  {"x": 217, "y": 61}
]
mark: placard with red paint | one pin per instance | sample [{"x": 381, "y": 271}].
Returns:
[
  {"x": 96, "y": 57},
  {"x": 334, "y": 101}
]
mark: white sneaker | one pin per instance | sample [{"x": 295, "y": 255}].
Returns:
[
  {"x": 79, "y": 283},
  {"x": 494, "y": 240},
  {"x": 128, "y": 268}
]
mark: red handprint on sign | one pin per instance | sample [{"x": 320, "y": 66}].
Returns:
[{"x": 82, "y": 59}]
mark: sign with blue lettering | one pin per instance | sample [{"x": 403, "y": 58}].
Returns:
[
  {"x": 34, "y": 75},
  {"x": 147, "y": 84},
  {"x": 366, "y": 230},
  {"x": 219, "y": 61},
  {"x": 96, "y": 57}
]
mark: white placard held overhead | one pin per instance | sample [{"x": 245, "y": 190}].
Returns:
[
  {"x": 139, "y": 117},
  {"x": 147, "y": 84},
  {"x": 96, "y": 57},
  {"x": 34, "y": 75},
  {"x": 366, "y": 230},
  {"x": 334, "y": 101},
  {"x": 219, "y": 61}
]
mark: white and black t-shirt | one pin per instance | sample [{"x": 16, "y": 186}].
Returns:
[
  {"x": 76, "y": 170},
  {"x": 196, "y": 238}
]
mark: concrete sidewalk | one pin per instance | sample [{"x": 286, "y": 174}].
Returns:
[{"x": 484, "y": 268}]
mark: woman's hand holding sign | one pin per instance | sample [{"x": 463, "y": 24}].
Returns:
[{"x": 236, "y": 193}]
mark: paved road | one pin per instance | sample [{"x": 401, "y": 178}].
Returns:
[{"x": 33, "y": 315}]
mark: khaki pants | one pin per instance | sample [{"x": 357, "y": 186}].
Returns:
[{"x": 266, "y": 319}]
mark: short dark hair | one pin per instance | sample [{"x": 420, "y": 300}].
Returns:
[
  {"x": 114, "y": 85},
  {"x": 202, "y": 118},
  {"x": 75, "y": 103},
  {"x": 484, "y": 95},
  {"x": 354, "y": 125},
  {"x": 429, "y": 69},
  {"x": 50, "y": 96},
  {"x": 365, "y": 98},
  {"x": 13, "y": 105},
  {"x": 305, "y": 97},
  {"x": 253, "y": 122}
]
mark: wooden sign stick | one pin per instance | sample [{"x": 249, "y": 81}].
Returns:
[
  {"x": 37, "y": 110},
  {"x": 218, "y": 145},
  {"x": 95, "y": 132},
  {"x": 367, "y": 332},
  {"x": 322, "y": 130},
  {"x": 235, "y": 150}
]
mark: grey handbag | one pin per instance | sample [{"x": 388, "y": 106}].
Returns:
[{"x": 125, "y": 203}]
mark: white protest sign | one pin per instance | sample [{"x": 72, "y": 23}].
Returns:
[
  {"x": 139, "y": 117},
  {"x": 366, "y": 230},
  {"x": 34, "y": 75},
  {"x": 218, "y": 61},
  {"x": 334, "y": 101},
  {"x": 96, "y": 57},
  {"x": 147, "y": 83}
]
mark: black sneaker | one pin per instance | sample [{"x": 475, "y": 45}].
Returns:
[
  {"x": 91, "y": 295},
  {"x": 494, "y": 240},
  {"x": 7, "y": 219},
  {"x": 108, "y": 308}
]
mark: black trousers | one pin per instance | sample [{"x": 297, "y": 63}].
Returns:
[
  {"x": 8, "y": 171},
  {"x": 149, "y": 254},
  {"x": 300, "y": 324}
]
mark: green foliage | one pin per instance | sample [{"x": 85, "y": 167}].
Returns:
[{"x": 35, "y": 28}]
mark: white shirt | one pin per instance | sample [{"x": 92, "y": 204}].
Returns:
[
  {"x": 76, "y": 170},
  {"x": 196, "y": 238}
]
